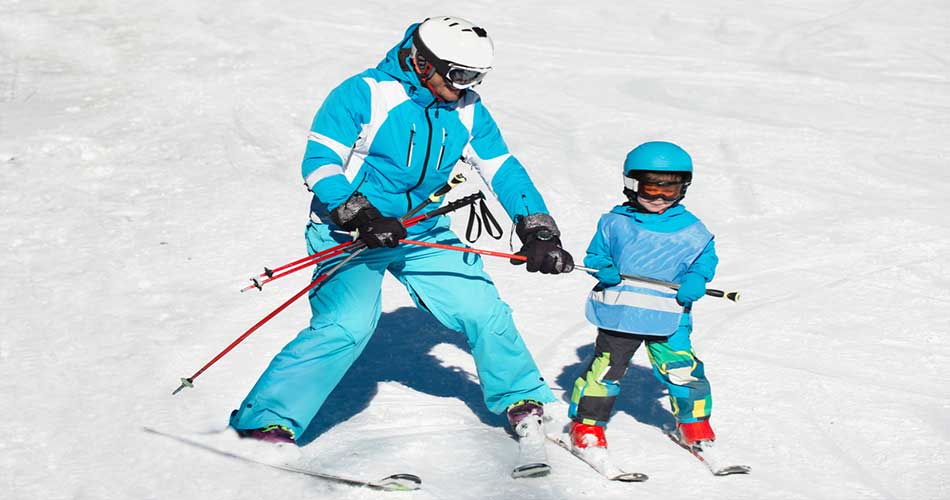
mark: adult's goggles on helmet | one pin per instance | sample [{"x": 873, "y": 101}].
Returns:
[
  {"x": 651, "y": 191},
  {"x": 462, "y": 77}
]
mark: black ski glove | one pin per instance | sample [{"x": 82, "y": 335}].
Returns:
[
  {"x": 542, "y": 245},
  {"x": 358, "y": 214}
]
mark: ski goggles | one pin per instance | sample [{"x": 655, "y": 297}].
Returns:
[
  {"x": 667, "y": 191},
  {"x": 461, "y": 77}
]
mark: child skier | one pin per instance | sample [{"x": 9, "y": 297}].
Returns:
[{"x": 651, "y": 236}]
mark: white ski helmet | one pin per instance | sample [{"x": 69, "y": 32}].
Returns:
[{"x": 455, "y": 48}]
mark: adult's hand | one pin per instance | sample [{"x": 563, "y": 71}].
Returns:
[
  {"x": 373, "y": 229},
  {"x": 541, "y": 244}
]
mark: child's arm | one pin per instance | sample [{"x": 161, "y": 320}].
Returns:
[
  {"x": 700, "y": 272},
  {"x": 598, "y": 257}
]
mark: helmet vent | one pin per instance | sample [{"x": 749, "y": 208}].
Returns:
[
  {"x": 480, "y": 32},
  {"x": 455, "y": 24}
]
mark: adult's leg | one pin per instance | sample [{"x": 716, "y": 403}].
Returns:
[
  {"x": 456, "y": 290},
  {"x": 345, "y": 310}
]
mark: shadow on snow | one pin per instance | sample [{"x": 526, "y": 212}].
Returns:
[{"x": 399, "y": 351}]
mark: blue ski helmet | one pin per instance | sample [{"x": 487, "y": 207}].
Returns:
[{"x": 658, "y": 156}]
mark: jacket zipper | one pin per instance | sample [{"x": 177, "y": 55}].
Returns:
[
  {"x": 445, "y": 135},
  {"x": 425, "y": 161},
  {"x": 412, "y": 133}
]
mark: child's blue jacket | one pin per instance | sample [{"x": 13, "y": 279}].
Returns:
[{"x": 663, "y": 246}]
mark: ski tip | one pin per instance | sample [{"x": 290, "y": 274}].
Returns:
[
  {"x": 399, "y": 482},
  {"x": 733, "y": 469},
  {"x": 531, "y": 470},
  {"x": 630, "y": 477}
]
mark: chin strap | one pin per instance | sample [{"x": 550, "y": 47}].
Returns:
[
  {"x": 429, "y": 69},
  {"x": 425, "y": 74}
]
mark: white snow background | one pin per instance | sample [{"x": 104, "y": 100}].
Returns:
[{"x": 149, "y": 165}]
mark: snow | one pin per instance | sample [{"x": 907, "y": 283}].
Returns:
[{"x": 149, "y": 164}]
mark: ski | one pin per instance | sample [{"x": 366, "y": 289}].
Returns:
[
  {"x": 532, "y": 458},
  {"x": 395, "y": 482},
  {"x": 600, "y": 462},
  {"x": 712, "y": 461}
]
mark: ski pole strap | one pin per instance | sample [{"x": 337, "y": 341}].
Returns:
[
  {"x": 476, "y": 220},
  {"x": 492, "y": 227},
  {"x": 474, "y": 223}
]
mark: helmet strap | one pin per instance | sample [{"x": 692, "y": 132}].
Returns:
[{"x": 425, "y": 74}]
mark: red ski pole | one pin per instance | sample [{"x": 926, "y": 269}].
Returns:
[
  {"x": 270, "y": 275},
  {"x": 434, "y": 198},
  {"x": 189, "y": 382}
]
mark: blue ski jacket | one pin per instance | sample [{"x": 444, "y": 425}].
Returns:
[
  {"x": 664, "y": 247},
  {"x": 384, "y": 134}
]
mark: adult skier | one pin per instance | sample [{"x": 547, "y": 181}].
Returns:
[{"x": 382, "y": 141}]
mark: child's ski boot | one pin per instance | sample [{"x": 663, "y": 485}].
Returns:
[{"x": 699, "y": 439}]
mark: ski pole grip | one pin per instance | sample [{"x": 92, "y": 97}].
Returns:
[
  {"x": 733, "y": 296},
  {"x": 454, "y": 181}
]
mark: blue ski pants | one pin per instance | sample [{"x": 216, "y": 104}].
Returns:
[{"x": 451, "y": 285}]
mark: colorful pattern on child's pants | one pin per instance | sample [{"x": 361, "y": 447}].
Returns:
[
  {"x": 674, "y": 364},
  {"x": 682, "y": 373}
]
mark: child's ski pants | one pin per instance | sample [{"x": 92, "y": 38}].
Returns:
[{"x": 674, "y": 364}]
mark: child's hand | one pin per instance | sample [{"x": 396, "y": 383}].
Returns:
[
  {"x": 692, "y": 288},
  {"x": 609, "y": 275}
]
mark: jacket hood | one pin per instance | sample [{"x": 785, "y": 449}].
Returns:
[
  {"x": 674, "y": 217},
  {"x": 399, "y": 67}
]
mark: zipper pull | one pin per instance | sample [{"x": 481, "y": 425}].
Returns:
[
  {"x": 412, "y": 133},
  {"x": 445, "y": 135}
]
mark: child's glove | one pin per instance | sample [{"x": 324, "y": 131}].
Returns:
[
  {"x": 608, "y": 275},
  {"x": 692, "y": 288}
]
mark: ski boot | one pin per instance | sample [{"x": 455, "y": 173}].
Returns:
[
  {"x": 270, "y": 434},
  {"x": 272, "y": 444},
  {"x": 587, "y": 436},
  {"x": 526, "y": 420},
  {"x": 695, "y": 433},
  {"x": 699, "y": 439}
]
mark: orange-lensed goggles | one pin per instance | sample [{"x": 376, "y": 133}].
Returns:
[{"x": 668, "y": 191}]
